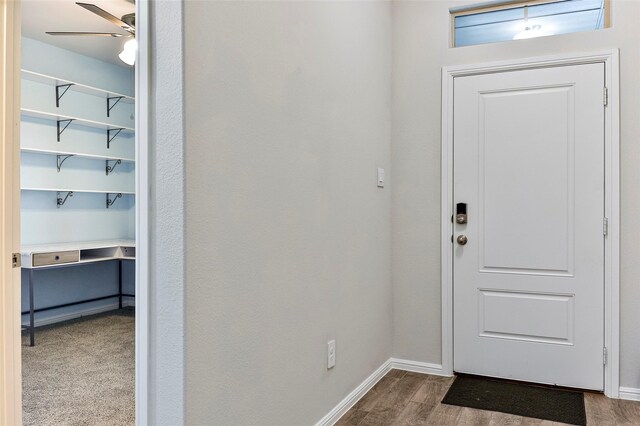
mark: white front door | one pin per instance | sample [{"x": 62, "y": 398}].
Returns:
[{"x": 529, "y": 168}]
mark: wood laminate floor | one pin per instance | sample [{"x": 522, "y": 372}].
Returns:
[{"x": 405, "y": 398}]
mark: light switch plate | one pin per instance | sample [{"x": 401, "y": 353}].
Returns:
[
  {"x": 380, "y": 177},
  {"x": 331, "y": 354}
]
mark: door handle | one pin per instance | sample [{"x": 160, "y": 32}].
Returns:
[{"x": 462, "y": 239}]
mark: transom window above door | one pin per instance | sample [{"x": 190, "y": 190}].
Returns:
[{"x": 520, "y": 20}]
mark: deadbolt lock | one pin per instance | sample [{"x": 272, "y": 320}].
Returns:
[{"x": 461, "y": 213}]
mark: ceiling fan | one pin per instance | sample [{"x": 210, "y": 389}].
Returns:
[{"x": 127, "y": 23}]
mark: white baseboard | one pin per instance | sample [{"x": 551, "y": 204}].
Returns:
[
  {"x": 632, "y": 394},
  {"x": 127, "y": 301},
  {"x": 418, "y": 367},
  {"x": 392, "y": 363},
  {"x": 343, "y": 406}
]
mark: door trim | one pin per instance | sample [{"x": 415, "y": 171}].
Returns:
[
  {"x": 142, "y": 213},
  {"x": 610, "y": 59},
  {"x": 10, "y": 320}
]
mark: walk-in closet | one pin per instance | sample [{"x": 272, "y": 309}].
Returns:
[{"x": 77, "y": 212}]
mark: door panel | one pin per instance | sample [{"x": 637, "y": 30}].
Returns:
[
  {"x": 507, "y": 132},
  {"x": 529, "y": 283},
  {"x": 555, "y": 327}
]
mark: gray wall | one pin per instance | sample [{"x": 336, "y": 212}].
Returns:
[
  {"x": 287, "y": 240},
  {"x": 287, "y": 235},
  {"x": 420, "y": 50}
]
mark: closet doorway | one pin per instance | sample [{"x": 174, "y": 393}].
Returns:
[{"x": 77, "y": 313}]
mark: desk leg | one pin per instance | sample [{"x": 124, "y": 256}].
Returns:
[
  {"x": 120, "y": 284},
  {"x": 32, "y": 327}
]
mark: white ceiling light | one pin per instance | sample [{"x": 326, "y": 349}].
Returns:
[
  {"x": 128, "y": 54},
  {"x": 532, "y": 31}
]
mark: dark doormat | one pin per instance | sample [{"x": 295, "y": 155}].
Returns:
[{"x": 514, "y": 398}]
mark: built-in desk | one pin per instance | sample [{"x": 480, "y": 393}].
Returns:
[{"x": 51, "y": 256}]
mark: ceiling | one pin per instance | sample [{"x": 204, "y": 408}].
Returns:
[{"x": 39, "y": 16}]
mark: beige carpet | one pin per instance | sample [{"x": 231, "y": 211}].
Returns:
[{"x": 81, "y": 372}]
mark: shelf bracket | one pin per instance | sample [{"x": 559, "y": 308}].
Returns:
[
  {"x": 109, "y": 169},
  {"x": 111, "y": 105},
  {"x": 62, "y": 129},
  {"x": 60, "y": 95},
  {"x": 62, "y": 159},
  {"x": 111, "y": 138},
  {"x": 60, "y": 201},
  {"x": 110, "y": 201}
]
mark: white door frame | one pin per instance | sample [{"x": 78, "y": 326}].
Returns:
[
  {"x": 142, "y": 72},
  {"x": 610, "y": 59},
  {"x": 10, "y": 319}
]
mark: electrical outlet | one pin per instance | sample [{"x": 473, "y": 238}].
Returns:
[{"x": 331, "y": 354}]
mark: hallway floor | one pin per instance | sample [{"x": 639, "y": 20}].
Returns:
[
  {"x": 81, "y": 372},
  {"x": 405, "y": 398}
]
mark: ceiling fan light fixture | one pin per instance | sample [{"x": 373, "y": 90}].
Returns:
[
  {"x": 127, "y": 23},
  {"x": 128, "y": 54}
]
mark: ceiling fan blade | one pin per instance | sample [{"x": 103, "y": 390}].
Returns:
[
  {"x": 80, "y": 33},
  {"x": 106, "y": 15}
]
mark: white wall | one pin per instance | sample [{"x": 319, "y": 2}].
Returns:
[
  {"x": 166, "y": 216},
  {"x": 51, "y": 60},
  {"x": 420, "y": 50},
  {"x": 288, "y": 237}
]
